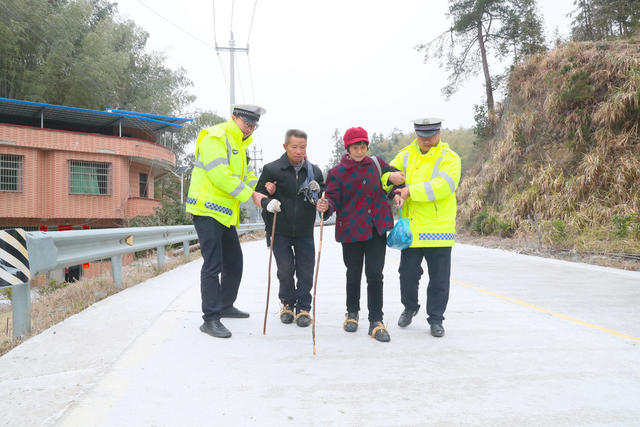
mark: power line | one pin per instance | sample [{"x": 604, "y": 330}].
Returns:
[
  {"x": 240, "y": 80},
  {"x": 232, "y": 7},
  {"x": 253, "y": 95},
  {"x": 215, "y": 38},
  {"x": 175, "y": 25},
  {"x": 251, "y": 25}
]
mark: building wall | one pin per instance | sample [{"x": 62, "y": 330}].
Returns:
[{"x": 45, "y": 198}]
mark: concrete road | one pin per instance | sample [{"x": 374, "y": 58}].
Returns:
[{"x": 529, "y": 341}]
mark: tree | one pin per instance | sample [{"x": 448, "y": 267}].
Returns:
[
  {"x": 601, "y": 19},
  {"x": 338, "y": 149},
  {"x": 80, "y": 53},
  {"x": 507, "y": 27}
]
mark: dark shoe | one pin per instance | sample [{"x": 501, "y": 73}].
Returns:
[
  {"x": 303, "y": 319},
  {"x": 286, "y": 314},
  {"x": 406, "y": 317},
  {"x": 234, "y": 312},
  {"x": 215, "y": 328},
  {"x": 350, "y": 322},
  {"x": 378, "y": 331},
  {"x": 437, "y": 330}
]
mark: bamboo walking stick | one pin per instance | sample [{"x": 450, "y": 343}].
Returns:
[
  {"x": 315, "y": 283},
  {"x": 266, "y": 309}
]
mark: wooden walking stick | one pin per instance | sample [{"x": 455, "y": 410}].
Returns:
[
  {"x": 266, "y": 309},
  {"x": 315, "y": 282}
]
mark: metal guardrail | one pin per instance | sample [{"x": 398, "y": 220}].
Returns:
[{"x": 54, "y": 250}]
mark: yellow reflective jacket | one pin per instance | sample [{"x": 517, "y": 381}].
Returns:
[
  {"x": 221, "y": 180},
  {"x": 432, "y": 179}
]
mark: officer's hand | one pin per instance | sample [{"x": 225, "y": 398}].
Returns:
[
  {"x": 274, "y": 206},
  {"x": 271, "y": 187},
  {"x": 397, "y": 178},
  {"x": 399, "y": 201},
  {"x": 322, "y": 205},
  {"x": 257, "y": 197},
  {"x": 404, "y": 193}
]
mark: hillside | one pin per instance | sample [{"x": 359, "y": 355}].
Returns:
[{"x": 563, "y": 164}]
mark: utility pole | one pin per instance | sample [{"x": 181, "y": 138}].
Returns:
[
  {"x": 232, "y": 49},
  {"x": 255, "y": 158}
]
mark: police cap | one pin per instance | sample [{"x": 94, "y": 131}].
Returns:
[
  {"x": 427, "y": 127},
  {"x": 250, "y": 113}
]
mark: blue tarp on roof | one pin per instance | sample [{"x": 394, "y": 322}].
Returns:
[{"x": 27, "y": 110}]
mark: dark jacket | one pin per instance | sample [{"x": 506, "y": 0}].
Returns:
[
  {"x": 355, "y": 192},
  {"x": 298, "y": 216}
]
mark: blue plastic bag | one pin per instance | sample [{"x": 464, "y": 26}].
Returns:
[{"x": 400, "y": 236}]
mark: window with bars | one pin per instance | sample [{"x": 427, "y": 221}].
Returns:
[
  {"x": 11, "y": 173},
  {"x": 143, "y": 185},
  {"x": 89, "y": 177}
]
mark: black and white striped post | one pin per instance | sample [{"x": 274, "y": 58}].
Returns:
[{"x": 14, "y": 273}]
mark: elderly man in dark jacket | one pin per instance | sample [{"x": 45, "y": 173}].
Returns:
[{"x": 293, "y": 185}]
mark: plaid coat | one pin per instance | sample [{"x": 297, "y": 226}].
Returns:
[{"x": 355, "y": 193}]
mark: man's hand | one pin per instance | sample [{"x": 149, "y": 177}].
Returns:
[
  {"x": 257, "y": 197},
  {"x": 404, "y": 193},
  {"x": 271, "y": 187},
  {"x": 322, "y": 205},
  {"x": 274, "y": 206},
  {"x": 399, "y": 201},
  {"x": 397, "y": 178}
]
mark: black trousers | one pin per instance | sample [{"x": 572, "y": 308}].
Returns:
[
  {"x": 221, "y": 271},
  {"x": 371, "y": 253},
  {"x": 295, "y": 255},
  {"x": 439, "y": 265}
]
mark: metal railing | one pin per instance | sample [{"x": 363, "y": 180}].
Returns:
[{"x": 54, "y": 250}]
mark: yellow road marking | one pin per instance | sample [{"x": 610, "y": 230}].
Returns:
[{"x": 544, "y": 310}]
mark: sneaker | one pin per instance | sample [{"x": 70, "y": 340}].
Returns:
[
  {"x": 378, "y": 331},
  {"x": 286, "y": 314},
  {"x": 303, "y": 318},
  {"x": 350, "y": 322}
]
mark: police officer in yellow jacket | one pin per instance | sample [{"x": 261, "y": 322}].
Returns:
[
  {"x": 220, "y": 181},
  {"x": 432, "y": 174}
]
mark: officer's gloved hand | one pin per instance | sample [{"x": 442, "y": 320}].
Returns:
[{"x": 274, "y": 206}]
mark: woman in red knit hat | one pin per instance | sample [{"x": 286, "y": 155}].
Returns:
[{"x": 355, "y": 192}]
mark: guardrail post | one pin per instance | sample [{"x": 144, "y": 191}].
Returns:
[
  {"x": 185, "y": 244},
  {"x": 160, "y": 257},
  {"x": 116, "y": 271},
  {"x": 21, "y": 302}
]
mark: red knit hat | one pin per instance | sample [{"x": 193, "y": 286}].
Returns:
[{"x": 353, "y": 135}]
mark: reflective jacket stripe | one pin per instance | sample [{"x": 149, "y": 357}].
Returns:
[
  {"x": 449, "y": 180},
  {"x": 238, "y": 189},
  {"x": 428, "y": 188}
]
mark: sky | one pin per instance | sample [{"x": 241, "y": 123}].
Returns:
[{"x": 317, "y": 66}]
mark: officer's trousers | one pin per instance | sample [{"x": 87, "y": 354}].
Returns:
[
  {"x": 221, "y": 271},
  {"x": 439, "y": 265}
]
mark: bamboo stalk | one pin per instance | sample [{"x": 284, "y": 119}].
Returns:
[
  {"x": 266, "y": 309},
  {"x": 315, "y": 283}
]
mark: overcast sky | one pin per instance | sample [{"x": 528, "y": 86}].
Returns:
[{"x": 317, "y": 66}]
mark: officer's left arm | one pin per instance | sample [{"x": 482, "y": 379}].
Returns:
[
  {"x": 387, "y": 170},
  {"x": 442, "y": 185}
]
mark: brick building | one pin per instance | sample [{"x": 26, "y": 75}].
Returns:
[{"x": 64, "y": 167}]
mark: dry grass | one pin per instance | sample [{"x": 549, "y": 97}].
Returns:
[{"x": 566, "y": 151}]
